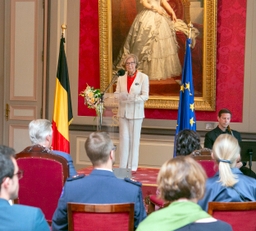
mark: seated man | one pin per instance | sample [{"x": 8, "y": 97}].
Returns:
[
  {"x": 224, "y": 118},
  {"x": 40, "y": 134},
  {"x": 16, "y": 217},
  {"x": 101, "y": 186}
]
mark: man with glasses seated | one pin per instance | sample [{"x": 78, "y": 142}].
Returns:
[
  {"x": 101, "y": 186},
  {"x": 16, "y": 217}
]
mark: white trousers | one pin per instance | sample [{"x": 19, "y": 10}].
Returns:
[{"x": 129, "y": 142}]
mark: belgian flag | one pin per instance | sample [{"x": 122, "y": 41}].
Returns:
[{"x": 62, "y": 113}]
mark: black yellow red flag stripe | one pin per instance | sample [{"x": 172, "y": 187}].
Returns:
[{"x": 62, "y": 113}]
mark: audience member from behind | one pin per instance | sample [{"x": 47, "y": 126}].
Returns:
[
  {"x": 40, "y": 134},
  {"x": 16, "y": 217},
  {"x": 181, "y": 181},
  {"x": 101, "y": 186},
  {"x": 188, "y": 142},
  {"x": 229, "y": 183}
]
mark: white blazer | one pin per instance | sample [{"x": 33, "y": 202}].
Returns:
[{"x": 131, "y": 106}]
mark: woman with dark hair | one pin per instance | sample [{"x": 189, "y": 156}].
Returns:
[
  {"x": 181, "y": 181},
  {"x": 188, "y": 142}
]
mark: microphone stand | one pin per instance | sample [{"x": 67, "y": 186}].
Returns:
[
  {"x": 250, "y": 161},
  {"x": 101, "y": 107}
]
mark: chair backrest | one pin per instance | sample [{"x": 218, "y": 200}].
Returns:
[
  {"x": 43, "y": 179},
  {"x": 240, "y": 215},
  {"x": 207, "y": 163},
  {"x": 99, "y": 217}
]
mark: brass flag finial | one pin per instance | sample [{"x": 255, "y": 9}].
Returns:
[
  {"x": 190, "y": 26},
  {"x": 63, "y": 28}
]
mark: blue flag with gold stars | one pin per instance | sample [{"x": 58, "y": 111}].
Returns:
[{"x": 186, "y": 111}]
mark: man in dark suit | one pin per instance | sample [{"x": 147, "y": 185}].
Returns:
[
  {"x": 101, "y": 186},
  {"x": 16, "y": 217},
  {"x": 224, "y": 118}
]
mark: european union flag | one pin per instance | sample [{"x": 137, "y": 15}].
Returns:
[{"x": 186, "y": 111}]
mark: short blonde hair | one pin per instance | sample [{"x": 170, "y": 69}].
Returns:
[
  {"x": 226, "y": 152},
  {"x": 135, "y": 58},
  {"x": 181, "y": 177}
]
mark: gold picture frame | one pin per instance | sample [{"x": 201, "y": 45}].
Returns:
[{"x": 208, "y": 99}]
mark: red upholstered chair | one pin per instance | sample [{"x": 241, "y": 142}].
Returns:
[
  {"x": 100, "y": 217},
  {"x": 240, "y": 215},
  {"x": 156, "y": 203},
  {"x": 43, "y": 179},
  {"x": 208, "y": 164}
]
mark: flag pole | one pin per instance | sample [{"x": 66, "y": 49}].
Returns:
[
  {"x": 186, "y": 110},
  {"x": 190, "y": 26},
  {"x": 62, "y": 112}
]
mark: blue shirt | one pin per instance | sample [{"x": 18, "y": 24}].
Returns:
[
  {"x": 215, "y": 191},
  {"x": 21, "y": 217},
  {"x": 72, "y": 171}
]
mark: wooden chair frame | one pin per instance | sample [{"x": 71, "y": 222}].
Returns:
[
  {"x": 202, "y": 157},
  {"x": 230, "y": 206},
  {"x": 152, "y": 205},
  {"x": 100, "y": 208},
  {"x": 240, "y": 215}
]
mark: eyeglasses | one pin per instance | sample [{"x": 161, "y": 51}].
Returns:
[
  {"x": 131, "y": 63},
  {"x": 114, "y": 148},
  {"x": 19, "y": 174}
]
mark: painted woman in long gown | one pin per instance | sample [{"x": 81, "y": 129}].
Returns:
[{"x": 153, "y": 39}]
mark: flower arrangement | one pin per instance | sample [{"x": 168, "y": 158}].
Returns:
[{"x": 92, "y": 98}]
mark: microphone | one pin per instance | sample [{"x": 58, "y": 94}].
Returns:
[
  {"x": 120, "y": 72},
  {"x": 250, "y": 152}
]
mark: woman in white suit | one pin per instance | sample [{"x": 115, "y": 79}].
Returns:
[{"x": 132, "y": 91}]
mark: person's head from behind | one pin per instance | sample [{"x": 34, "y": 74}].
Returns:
[
  {"x": 40, "y": 132},
  {"x": 9, "y": 173},
  {"x": 224, "y": 118},
  {"x": 226, "y": 152},
  {"x": 181, "y": 178},
  {"x": 187, "y": 141},
  {"x": 100, "y": 149}
]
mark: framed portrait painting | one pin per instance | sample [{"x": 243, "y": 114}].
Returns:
[{"x": 123, "y": 26}]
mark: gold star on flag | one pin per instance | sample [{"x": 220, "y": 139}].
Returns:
[
  {"x": 187, "y": 86},
  {"x": 192, "y": 106},
  {"x": 191, "y": 121},
  {"x": 182, "y": 88}
]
